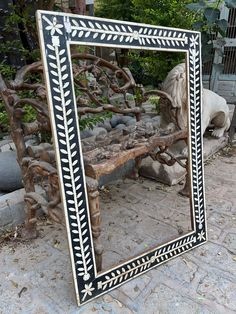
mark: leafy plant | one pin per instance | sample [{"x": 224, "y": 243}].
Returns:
[
  {"x": 115, "y": 9},
  {"x": 155, "y": 101},
  {"x": 89, "y": 121},
  {"x": 150, "y": 68},
  {"x": 4, "y": 120},
  {"x": 19, "y": 46},
  {"x": 172, "y": 13},
  {"x": 6, "y": 70},
  {"x": 212, "y": 28},
  {"x": 210, "y": 25}
]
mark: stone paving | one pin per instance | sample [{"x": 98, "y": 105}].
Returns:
[{"x": 36, "y": 277}]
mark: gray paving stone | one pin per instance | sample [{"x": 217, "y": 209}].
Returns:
[
  {"x": 182, "y": 270},
  {"x": 217, "y": 257},
  {"x": 5, "y": 216},
  {"x": 135, "y": 214},
  {"x": 230, "y": 242},
  {"x": 221, "y": 220},
  {"x": 134, "y": 290},
  {"x": 214, "y": 232},
  {"x": 220, "y": 205},
  {"x": 219, "y": 290},
  {"x": 173, "y": 302}
]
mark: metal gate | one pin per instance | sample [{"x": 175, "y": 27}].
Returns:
[{"x": 223, "y": 79}]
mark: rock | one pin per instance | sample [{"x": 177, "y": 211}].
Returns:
[
  {"x": 131, "y": 100},
  {"x": 100, "y": 124},
  {"x": 117, "y": 99},
  {"x": 121, "y": 126},
  {"x": 156, "y": 125},
  {"x": 162, "y": 173},
  {"x": 12, "y": 208},
  {"x": 31, "y": 142},
  {"x": 7, "y": 137},
  {"x": 148, "y": 107},
  {"x": 116, "y": 119},
  {"x": 157, "y": 118},
  {"x": 5, "y": 142},
  {"x": 10, "y": 172},
  {"x": 129, "y": 129},
  {"x": 213, "y": 145},
  {"x": 89, "y": 143},
  {"x": 149, "y": 128},
  {"x": 131, "y": 122},
  {"x": 85, "y": 133},
  {"x": 10, "y": 146},
  {"x": 107, "y": 126},
  {"x": 148, "y": 121},
  {"x": 156, "y": 121},
  {"x": 175, "y": 174},
  {"x": 99, "y": 131},
  {"x": 125, "y": 119},
  {"x": 145, "y": 117}
]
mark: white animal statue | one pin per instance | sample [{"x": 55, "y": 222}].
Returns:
[{"x": 214, "y": 107}]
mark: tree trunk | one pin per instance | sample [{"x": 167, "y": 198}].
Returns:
[{"x": 78, "y": 6}]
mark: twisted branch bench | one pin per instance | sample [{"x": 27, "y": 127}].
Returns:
[{"x": 96, "y": 82}]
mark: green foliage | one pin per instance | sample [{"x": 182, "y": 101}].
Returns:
[
  {"x": 114, "y": 9},
  {"x": 90, "y": 121},
  {"x": 196, "y": 6},
  {"x": 210, "y": 24},
  {"x": 172, "y": 13},
  {"x": 7, "y": 71},
  {"x": 212, "y": 28},
  {"x": 4, "y": 120},
  {"x": 19, "y": 45},
  {"x": 147, "y": 67},
  {"x": 20, "y": 21},
  {"x": 20, "y": 38},
  {"x": 155, "y": 101},
  {"x": 151, "y": 68}
]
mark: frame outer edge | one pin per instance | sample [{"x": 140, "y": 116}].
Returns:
[
  {"x": 39, "y": 14},
  {"x": 203, "y": 169}
]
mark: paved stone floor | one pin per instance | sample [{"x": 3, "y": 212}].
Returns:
[{"x": 36, "y": 277}]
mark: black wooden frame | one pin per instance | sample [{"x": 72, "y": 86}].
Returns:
[{"x": 57, "y": 31}]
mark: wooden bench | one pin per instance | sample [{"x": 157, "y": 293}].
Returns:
[{"x": 96, "y": 82}]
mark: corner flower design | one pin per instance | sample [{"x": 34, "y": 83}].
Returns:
[
  {"x": 194, "y": 41},
  {"x": 53, "y": 27},
  {"x": 87, "y": 290},
  {"x": 201, "y": 236}
]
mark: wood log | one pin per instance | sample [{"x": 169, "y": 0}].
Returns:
[
  {"x": 48, "y": 156},
  {"x": 97, "y": 170},
  {"x": 36, "y": 151}
]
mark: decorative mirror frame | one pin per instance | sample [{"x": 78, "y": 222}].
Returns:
[{"x": 57, "y": 31}]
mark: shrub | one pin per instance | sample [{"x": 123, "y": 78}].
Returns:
[{"x": 148, "y": 67}]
